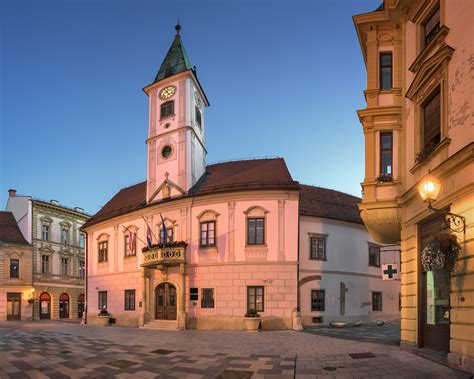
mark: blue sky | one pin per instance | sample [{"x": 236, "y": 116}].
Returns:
[{"x": 284, "y": 78}]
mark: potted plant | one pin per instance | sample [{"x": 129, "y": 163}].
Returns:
[
  {"x": 252, "y": 320},
  {"x": 441, "y": 253},
  {"x": 103, "y": 317},
  {"x": 383, "y": 178}
]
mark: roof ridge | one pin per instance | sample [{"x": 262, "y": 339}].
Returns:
[
  {"x": 245, "y": 160},
  {"x": 329, "y": 189}
]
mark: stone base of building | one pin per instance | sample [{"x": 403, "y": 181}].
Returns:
[
  {"x": 236, "y": 323},
  {"x": 461, "y": 362},
  {"x": 307, "y": 320},
  {"x": 120, "y": 320}
]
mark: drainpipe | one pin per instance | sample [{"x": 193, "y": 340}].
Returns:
[
  {"x": 298, "y": 260},
  {"x": 86, "y": 269}
]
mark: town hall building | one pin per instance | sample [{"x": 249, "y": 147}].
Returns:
[{"x": 197, "y": 246}]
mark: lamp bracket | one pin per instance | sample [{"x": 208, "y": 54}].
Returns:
[{"x": 453, "y": 221}]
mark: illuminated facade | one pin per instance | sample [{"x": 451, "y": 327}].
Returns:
[
  {"x": 419, "y": 120},
  {"x": 225, "y": 237}
]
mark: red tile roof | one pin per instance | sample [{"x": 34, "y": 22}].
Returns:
[
  {"x": 251, "y": 175},
  {"x": 327, "y": 203},
  {"x": 9, "y": 230}
]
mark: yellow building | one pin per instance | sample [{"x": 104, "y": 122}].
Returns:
[
  {"x": 16, "y": 280},
  {"x": 418, "y": 121}
]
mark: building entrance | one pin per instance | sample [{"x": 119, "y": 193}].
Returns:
[
  {"x": 13, "y": 306},
  {"x": 165, "y": 302},
  {"x": 45, "y": 306},
  {"x": 435, "y": 307}
]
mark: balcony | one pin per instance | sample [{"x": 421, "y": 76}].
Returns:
[{"x": 167, "y": 254}]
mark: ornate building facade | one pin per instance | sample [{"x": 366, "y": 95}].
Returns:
[
  {"x": 16, "y": 279},
  {"x": 197, "y": 246},
  {"x": 58, "y": 263},
  {"x": 418, "y": 127}
]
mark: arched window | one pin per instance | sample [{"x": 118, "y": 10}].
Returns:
[
  {"x": 45, "y": 306},
  {"x": 208, "y": 228},
  {"x": 103, "y": 247},
  {"x": 167, "y": 109}
]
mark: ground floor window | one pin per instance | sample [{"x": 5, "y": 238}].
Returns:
[
  {"x": 255, "y": 298},
  {"x": 129, "y": 300},
  {"x": 102, "y": 300},
  {"x": 317, "y": 300},
  {"x": 376, "y": 301},
  {"x": 207, "y": 299}
]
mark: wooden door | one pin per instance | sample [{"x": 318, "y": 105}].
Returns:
[
  {"x": 80, "y": 306},
  {"x": 435, "y": 307},
  {"x": 64, "y": 305},
  {"x": 13, "y": 306},
  {"x": 45, "y": 306},
  {"x": 165, "y": 302}
]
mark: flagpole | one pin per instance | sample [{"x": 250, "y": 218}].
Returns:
[
  {"x": 136, "y": 235},
  {"x": 151, "y": 230}
]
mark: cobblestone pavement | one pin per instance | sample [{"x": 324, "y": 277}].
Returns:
[
  {"x": 389, "y": 334},
  {"x": 63, "y": 350}
]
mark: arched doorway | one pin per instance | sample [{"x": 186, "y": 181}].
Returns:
[
  {"x": 64, "y": 305},
  {"x": 80, "y": 305},
  {"x": 165, "y": 302},
  {"x": 45, "y": 306}
]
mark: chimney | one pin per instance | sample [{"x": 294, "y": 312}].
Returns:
[{"x": 12, "y": 192}]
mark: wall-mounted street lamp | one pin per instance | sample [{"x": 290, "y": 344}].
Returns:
[{"x": 429, "y": 189}]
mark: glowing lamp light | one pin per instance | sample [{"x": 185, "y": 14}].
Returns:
[{"x": 429, "y": 188}]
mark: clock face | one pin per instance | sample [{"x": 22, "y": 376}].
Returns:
[{"x": 167, "y": 92}]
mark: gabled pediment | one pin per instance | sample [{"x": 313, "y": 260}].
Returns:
[
  {"x": 166, "y": 190},
  {"x": 430, "y": 71}
]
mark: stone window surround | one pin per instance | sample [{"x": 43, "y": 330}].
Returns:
[
  {"x": 134, "y": 229},
  {"x": 48, "y": 254},
  {"x": 18, "y": 255},
  {"x": 170, "y": 224},
  {"x": 256, "y": 211},
  {"x": 318, "y": 235},
  {"x": 103, "y": 237},
  {"x": 46, "y": 221},
  {"x": 65, "y": 225},
  {"x": 431, "y": 76},
  {"x": 208, "y": 215}
]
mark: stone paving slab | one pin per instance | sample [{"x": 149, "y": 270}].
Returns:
[{"x": 62, "y": 350}]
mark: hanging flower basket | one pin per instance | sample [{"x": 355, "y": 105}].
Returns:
[{"x": 441, "y": 253}]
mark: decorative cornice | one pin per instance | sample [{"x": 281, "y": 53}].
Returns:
[
  {"x": 438, "y": 40},
  {"x": 430, "y": 71}
]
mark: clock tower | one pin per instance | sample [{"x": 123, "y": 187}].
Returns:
[{"x": 176, "y": 149}]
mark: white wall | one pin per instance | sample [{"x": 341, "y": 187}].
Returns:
[
  {"x": 347, "y": 252},
  {"x": 20, "y": 206}
]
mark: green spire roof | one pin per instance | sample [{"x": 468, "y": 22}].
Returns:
[{"x": 176, "y": 59}]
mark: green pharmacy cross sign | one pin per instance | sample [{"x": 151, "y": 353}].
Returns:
[{"x": 390, "y": 271}]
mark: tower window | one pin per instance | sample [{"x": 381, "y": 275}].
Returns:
[
  {"x": 198, "y": 117},
  {"x": 385, "y": 71},
  {"x": 167, "y": 109},
  {"x": 166, "y": 152}
]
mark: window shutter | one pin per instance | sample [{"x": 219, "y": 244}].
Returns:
[{"x": 432, "y": 120}]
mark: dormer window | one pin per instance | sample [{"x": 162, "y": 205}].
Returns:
[
  {"x": 167, "y": 109},
  {"x": 432, "y": 27}
]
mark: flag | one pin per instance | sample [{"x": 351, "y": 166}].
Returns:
[
  {"x": 164, "y": 235},
  {"x": 149, "y": 240},
  {"x": 133, "y": 242}
]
